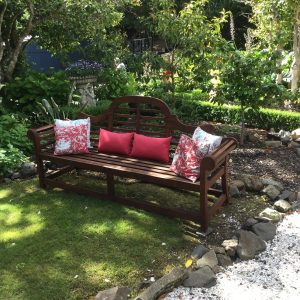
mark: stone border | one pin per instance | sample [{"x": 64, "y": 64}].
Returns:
[{"x": 200, "y": 270}]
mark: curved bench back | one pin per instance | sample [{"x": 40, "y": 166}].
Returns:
[{"x": 145, "y": 115}]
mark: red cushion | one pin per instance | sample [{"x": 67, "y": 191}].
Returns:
[
  {"x": 151, "y": 148},
  {"x": 71, "y": 140},
  {"x": 113, "y": 142},
  {"x": 187, "y": 158}
]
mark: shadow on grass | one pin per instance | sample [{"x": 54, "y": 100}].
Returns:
[{"x": 55, "y": 245}]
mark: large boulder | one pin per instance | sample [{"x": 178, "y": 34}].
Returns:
[
  {"x": 270, "y": 214},
  {"x": 270, "y": 181},
  {"x": 249, "y": 245},
  {"x": 199, "y": 251},
  {"x": 271, "y": 191},
  {"x": 28, "y": 169},
  {"x": 163, "y": 285},
  {"x": 282, "y": 206},
  {"x": 252, "y": 183},
  {"x": 204, "y": 277},
  {"x": 265, "y": 231},
  {"x": 230, "y": 246},
  {"x": 224, "y": 260},
  {"x": 208, "y": 259},
  {"x": 116, "y": 293}
]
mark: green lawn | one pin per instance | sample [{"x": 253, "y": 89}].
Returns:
[{"x": 55, "y": 245}]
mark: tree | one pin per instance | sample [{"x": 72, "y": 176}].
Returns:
[
  {"x": 57, "y": 25},
  {"x": 278, "y": 27},
  {"x": 245, "y": 78},
  {"x": 187, "y": 32}
]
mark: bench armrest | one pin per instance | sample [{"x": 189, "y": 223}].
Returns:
[
  {"x": 213, "y": 160},
  {"x": 44, "y": 133}
]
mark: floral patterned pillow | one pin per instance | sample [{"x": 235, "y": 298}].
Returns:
[
  {"x": 67, "y": 123},
  {"x": 70, "y": 140},
  {"x": 204, "y": 138},
  {"x": 187, "y": 158}
]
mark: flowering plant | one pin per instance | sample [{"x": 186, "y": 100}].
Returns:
[{"x": 83, "y": 68}]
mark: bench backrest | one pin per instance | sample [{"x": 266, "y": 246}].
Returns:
[{"x": 145, "y": 115}]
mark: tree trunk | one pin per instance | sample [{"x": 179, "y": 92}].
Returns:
[
  {"x": 279, "y": 76},
  {"x": 242, "y": 135},
  {"x": 296, "y": 47}
]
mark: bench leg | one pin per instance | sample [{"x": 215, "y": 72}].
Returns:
[
  {"x": 203, "y": 204},
  {"x": 224, "y": 182},
  {"x": 110, "y": 184},
  {"x": 41, "y": 172}
]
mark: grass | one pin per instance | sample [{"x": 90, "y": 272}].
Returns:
[{"x": 55, "y": 245}]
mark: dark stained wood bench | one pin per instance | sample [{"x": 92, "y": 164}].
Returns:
[{"x": 148, "y": 116}]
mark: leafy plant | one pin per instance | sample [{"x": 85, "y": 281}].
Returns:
[
  {"x": 11, "y": 159},
  {"x": 13, "y": 131},
  {"x": 24, "y": 93}
]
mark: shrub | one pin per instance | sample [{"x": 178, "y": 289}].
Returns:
[
  {"x": 11, "y": 159},
  {"x": 13, "y": 131},
  {"x": 23, "y": 93},
  {"x": 195, "y": 111}
]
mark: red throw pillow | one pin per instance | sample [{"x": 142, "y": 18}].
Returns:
[
  {"x": 151, "y": 148},
  {"x": 71, "y": 140},
  {"x": 187, "y": 158},
  {"x": 113, "y": 142}
]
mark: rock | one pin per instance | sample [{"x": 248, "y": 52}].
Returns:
[
  {"x": 28, "y": 169},
  {"x": 163, "y": 284},
  {"x": 282, "y": 206},
  {"x": 208, "y": 259},
  {"x": 224, "y": 260},
  {"x": 116, "y": 293},
  {"x": 230, "y": 246},
  {"x": 252, "y": 183},
  {"x": 217, "y": 269},
  {"x": 277, "y": 184},
  {"x": 249, "y": 223},
  {"x": 219, "y": 250},
  {"x": 271, "y": 191},
  {"x": 272, "y": 144},
  {"x": 239, "y": 184},
  {"x": 199, "y": 251},
  {"x": 296, "y": 205},
  {"x": 271, "y": 215},
  {"x": 16, "y": 175},
  {"x": 249, "y": 245},
  {"x": 298, "y": 151},
  {"x": 294, "y": 197},
  {"x": 295, "y": 145},
  {"x": 203, "y": 277},
  {"x": 266, "y": 231},
  {"x": 233, "y": 191},
  {"x": 284, "y": 194}
]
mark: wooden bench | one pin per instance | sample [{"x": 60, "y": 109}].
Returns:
[{"x": 148, "y": 116}]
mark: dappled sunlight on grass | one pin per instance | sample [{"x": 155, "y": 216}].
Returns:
[
  {"x": 57, "y": 245},
  {"x": 16, "y": 224},
  {"x": 5, "y": 193}
]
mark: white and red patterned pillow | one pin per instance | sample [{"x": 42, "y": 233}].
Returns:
[
  {"x": 187, "y": 158},
  {"x": 205, "y": 138},
  {"x": 71, "y": 140},
  {"x": 67, "y": 123}
]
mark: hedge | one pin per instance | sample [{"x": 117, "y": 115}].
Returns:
[{"x": 195, "y": 111}]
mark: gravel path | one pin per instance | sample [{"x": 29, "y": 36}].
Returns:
[{"x": 274, "y": 274}]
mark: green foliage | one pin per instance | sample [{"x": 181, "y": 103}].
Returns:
[
  {"x": 13, "y": 143},
  {"x": 11, "y": 158},
  {"x": 196, "y": 111},
  {"x": 24, "y": 93},
  {"x": 115, "y": 83},
  {"x": 13, "y": 131}
]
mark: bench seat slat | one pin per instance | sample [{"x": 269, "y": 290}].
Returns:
[{"x": 116, "y": 168}]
